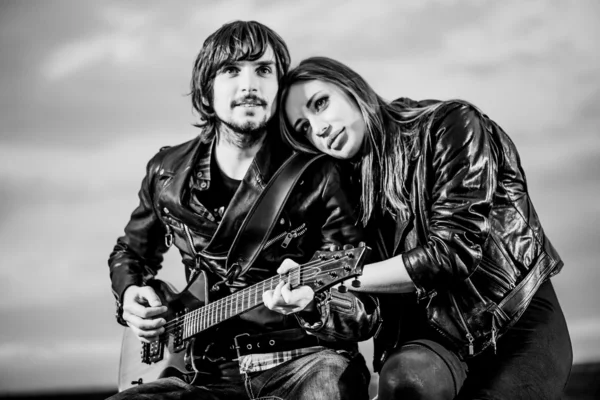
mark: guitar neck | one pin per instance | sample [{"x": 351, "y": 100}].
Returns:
[{"x": 237, "y": 303}]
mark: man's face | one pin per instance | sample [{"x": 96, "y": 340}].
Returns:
[{"x": 244, "y": 93}]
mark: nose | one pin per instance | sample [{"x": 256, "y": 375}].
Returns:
[
  {"x": 249, "y": 80},
  {"x": 321, "y": 128}
]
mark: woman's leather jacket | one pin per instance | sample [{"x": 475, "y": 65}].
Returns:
[
  {"x": 470, "y": 240},
  {"x": 317, "y": 215}
]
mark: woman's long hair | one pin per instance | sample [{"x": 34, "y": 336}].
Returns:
[{"x": 391, "y": 135}]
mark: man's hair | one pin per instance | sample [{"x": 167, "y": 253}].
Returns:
[
  {"x": 235, "y": 41},
  {"x": 390, "y": 130}
]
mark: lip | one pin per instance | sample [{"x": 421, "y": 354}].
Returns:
[
  {"x": 331, "y": 139},
  {"x": 250, "y": 103}
]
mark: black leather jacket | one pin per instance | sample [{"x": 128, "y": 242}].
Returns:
[
  {"x": 317, "y": 213},
  {"x": 471, "y": 239}
]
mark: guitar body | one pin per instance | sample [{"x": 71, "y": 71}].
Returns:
[
  {"x": 190, "y": 313},
  {"x": 172, "y": 363},
  {"x": 133, "y": 372}
]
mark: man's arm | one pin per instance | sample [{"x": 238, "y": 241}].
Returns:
[{"x": 136, "y": 256}]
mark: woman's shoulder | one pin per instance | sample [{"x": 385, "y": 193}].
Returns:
[{"x": 455, "y": 111}]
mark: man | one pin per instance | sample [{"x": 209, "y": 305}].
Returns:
[{"x": 196, "y": 196}]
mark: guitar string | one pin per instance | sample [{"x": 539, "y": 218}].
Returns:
[
  {"x": 248, "y": 291},
  {"x": 210, "y": 317},
  {"x": 223, "y": 307}
]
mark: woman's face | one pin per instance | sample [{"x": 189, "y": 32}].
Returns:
[{"x": 324, "y": 114}]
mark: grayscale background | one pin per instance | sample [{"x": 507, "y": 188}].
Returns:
[{"x": 90, "y": 90}]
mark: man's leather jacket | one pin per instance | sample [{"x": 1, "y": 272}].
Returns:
[
  {"x": 316, "y": 216},
  {"x": 470, "y": 240}
]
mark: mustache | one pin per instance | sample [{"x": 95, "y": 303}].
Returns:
[{"x": 249, "y": 99}]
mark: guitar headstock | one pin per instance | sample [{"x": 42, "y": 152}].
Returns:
[{"x": 327, "y": 268}]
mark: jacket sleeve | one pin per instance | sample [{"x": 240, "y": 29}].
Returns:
[
  {"x": 139, "y": 253},
  {"x": 342, "y": 316},
  {"x": 461, "y": 185}
]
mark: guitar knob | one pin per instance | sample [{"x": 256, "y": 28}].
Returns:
[
  {"x": 362, "y": 244},
  {"x": 334, "y": 247},
  {"x": 342, "y": 288},
  {"x": 356, "y": 283},
  {"x": 348, "y": 247}
]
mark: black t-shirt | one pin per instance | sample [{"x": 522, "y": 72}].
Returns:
[{"x": 222, "y": 189}]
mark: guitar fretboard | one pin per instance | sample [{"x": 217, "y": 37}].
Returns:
[{"x": 239, "y": 302}]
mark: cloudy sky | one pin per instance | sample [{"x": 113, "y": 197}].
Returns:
[{"x": 89, "y": 91}]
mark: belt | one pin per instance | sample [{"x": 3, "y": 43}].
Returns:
[
  {"x": 513, "y": 305},
  {"x": 271, "y": 342}
]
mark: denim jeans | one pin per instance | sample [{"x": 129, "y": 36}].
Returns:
[
  {"x": 325, "y": 375},
  {"x": 533, "y": 361}
]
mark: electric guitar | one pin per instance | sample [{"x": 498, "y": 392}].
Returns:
[{"x": 189, "y": 312}]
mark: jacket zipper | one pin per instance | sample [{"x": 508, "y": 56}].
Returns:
[
  {"x": 493, "y": 273},
  {"x": 289, "y": 236},
  {"x": 168, "y": 237},
  {"x": 468, "y": 334}
]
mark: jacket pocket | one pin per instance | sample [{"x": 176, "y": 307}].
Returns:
[{"x": 496, "y": 275}]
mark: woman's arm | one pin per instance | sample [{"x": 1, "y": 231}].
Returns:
[
  {"x": 462, "y": 169},
  {"x": 387, "y": 276}
]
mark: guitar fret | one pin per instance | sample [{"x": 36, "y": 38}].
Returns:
[{"x": 249, "y": 297}]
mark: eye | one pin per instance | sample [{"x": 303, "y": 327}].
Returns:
[
  {"x": 265, "y": 70},
  {"x": 230, "y": 70},
  {"x": 321, "y": 103}
]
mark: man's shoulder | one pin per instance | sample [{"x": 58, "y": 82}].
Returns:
[{"x": 167, "y": 156}]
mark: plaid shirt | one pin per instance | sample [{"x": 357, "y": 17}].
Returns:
[{"x": 264, "y": 361}]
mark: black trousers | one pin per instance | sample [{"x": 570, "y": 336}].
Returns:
[{"x": 533, "y": 361}]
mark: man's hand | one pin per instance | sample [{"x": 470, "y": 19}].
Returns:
[
  {"x": 283, "y": 299},
  {"x": 141, "y": 306}
]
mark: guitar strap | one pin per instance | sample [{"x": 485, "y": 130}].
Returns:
[{"x": 258, "y": 224}]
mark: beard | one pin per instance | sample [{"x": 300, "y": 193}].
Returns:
[{"x": 242, "y": 135}]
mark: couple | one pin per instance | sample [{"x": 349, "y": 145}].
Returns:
[{"x": 457, "y": 291}]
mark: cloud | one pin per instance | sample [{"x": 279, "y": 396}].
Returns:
[{"x": 123, "y": 42}]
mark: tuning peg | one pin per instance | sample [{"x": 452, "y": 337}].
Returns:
[
  {"x": 342, "y": 288},
  {"x": 356, "y": 283},
  {"x": 334, "y": 247},
  {"x": 362, "y": 244},
  {"x": 348, "y": 247}
]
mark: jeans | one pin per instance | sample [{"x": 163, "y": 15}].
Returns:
[
  {"x": 533, "y": 361},
  {"x": 325, "y": 375}
]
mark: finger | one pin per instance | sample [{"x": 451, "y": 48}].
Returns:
[
  {"x": 304, "y": 292},
  {"x": 145, "y": 336},
  {"x": 143, "y": 311},
  {"x": 277, "y": 293},
  {"x": 144, "y": 324},
  {"x": 149, "y": 295},
  {"x": 286, "y": 293},
  {"x": 286, "y": 266},
  {"x": 268, "y": 299}
]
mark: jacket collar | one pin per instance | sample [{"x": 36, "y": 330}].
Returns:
[{"x": 195, "y": 157}]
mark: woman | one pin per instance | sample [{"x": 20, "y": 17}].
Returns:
[{"x": 463, "y": 254}]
